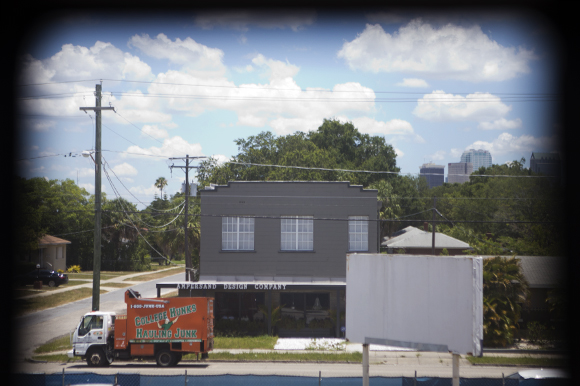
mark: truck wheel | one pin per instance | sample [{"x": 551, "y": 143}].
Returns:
[
  {"x": 165, "y": 358},
  {"x": 96, "y": 358}
]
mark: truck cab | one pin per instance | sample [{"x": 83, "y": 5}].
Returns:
[{"x": 93, "y": 337}]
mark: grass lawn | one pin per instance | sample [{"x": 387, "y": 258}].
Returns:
[
  {"x": 29, "y": 290},
  {"x": 249, "y": 342},
  {"x": 105, "y": 275},
  {"x": 157, "y": 275},
  {"x": 116, "y": 285},
  {"x": 355, "y": 357},
  {"x": 521, "y": 361},
  {"x": 26, "y": 306},
  {"x": 58, "y": 344}
]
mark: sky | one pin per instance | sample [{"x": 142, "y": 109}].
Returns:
[{"x": 192, "y": 82}]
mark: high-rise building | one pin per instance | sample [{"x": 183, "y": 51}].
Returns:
[
  {"x": 458, "y": 172},
  {"x": 548, "y": 164},
  {"x": 433, "y": 173},
  {"x": 478, "y": 158}
]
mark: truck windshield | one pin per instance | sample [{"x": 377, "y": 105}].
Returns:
[{"x": 89, "y": 323}]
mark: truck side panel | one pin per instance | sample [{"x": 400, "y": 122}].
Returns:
[
  {"x": 188, "y": 321},
  {"x": 121, "y": 332}
]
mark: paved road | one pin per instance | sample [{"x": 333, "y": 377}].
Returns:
[
  {"x": 39, "y": 327},
  {"x": 425, "y": 368}
]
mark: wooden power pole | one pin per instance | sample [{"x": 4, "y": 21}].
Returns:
[
  {"x": 188, "y": 262},
  {"x": 97, "y": 239}
]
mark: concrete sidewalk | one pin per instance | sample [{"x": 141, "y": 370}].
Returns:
[{"x": 89, "y": 283}]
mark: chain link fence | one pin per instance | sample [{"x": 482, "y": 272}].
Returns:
[{"x": 183, "y": 379}]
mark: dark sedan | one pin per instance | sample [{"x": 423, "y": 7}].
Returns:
[{"x": 49, "y": 278}]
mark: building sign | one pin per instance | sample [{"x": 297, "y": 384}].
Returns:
[{"x": 231, "y": 286}]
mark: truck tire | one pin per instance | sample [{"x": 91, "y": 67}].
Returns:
[
  {"x": 165, "y": 358},
  {"x": 96, "y": 358}
]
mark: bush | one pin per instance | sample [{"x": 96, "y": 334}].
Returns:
[
  {"x": 74, "y": 269},
  {"x": 59, "y": 271},
  {"x": 538, "y": 333}
]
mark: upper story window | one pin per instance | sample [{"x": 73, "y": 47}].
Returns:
[
  {"x": 297, "y": 233},
  {"x": 358, "y": 233},
  {"x": 237, "y": 234}
]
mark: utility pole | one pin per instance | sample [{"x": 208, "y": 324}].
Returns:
[
  {"x": 433, "y": 228},
  {"x": 97, "y": 239},
  {"x": 188, "y": 263}
]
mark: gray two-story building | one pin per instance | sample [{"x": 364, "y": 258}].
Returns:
[{"x": 270, "y": 244}]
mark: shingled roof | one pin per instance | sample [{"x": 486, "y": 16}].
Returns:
[
  {"x": 47, "y": 240},
  {"x": 542, "y": 271}
]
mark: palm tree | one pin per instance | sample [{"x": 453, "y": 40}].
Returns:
[{"x": 160, "y": 183}]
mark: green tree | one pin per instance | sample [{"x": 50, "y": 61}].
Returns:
[
  {"x": 504, "y": 290},
  {"x": 334, "y": 145}
]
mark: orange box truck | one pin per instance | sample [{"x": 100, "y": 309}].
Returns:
[{"x": 164, "y": 329}]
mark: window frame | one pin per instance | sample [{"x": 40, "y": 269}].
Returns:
[
  {"x": 237, "y": 233},
  {"x": 356, "y": 221},
  {"x": 297, "y": 233}
]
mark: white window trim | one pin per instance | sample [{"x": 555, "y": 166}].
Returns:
[
  {"x": 296, "y": 233},
  {"x": 357, "y": 221},
  {"x": 237, "y": 233}
]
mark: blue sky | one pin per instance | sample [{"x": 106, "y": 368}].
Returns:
[{"x": 432, "y": 84}]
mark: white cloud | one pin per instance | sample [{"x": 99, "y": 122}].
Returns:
[
  {"x": 506, "y": 143},
  {"x": 124, "y": 169},
  {"x": 450, "y": 51},
  {"x": 413, "y": 82},
  {"x": 276, "y": 68},
  {"x": 221, "y": 158},
  {"x": 154, "y": 131},
  {"x": 42, "y": 126},
  {"x": 395, "y": 127},
  {"x": 456, "y": 153},
  {"x": 194, "y": 57},
  {"x": 501, "y": 124},
  {"x": 399, "y": 153},
  {"x": 437, "y": 156},
  {"x": 481, "y": 107},
  {"x": 83, "y": 172},
  {"x": 144, "y": 191},
  {"x": 171, "y": 147},
  {"x": 241, "y": 20},
  {"x": 71, "y": 63}
]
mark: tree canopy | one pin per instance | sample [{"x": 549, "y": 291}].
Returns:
[{"x": 334, "y": 145}]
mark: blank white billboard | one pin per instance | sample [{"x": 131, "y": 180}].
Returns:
[{"x": 429, "y": 303}]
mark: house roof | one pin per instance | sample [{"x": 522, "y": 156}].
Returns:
[
  {"x": 546, "y": 156},
  {"x": 411, "y": 237},
  {"x": 542, "y": 271},
  {"x": 47, "y": 240}
]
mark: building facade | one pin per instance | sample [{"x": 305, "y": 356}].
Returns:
[
  {"x": 459, "y": 172},
  {"x": 478, "y": 158},
  {"x": 282, "y": 245},
  {"x": 548, "y": 164},
  {"x": 434, "y": 174}
]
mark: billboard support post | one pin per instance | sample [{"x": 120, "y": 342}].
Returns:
[
  {"x": 455, "y": 381},
  {"x": 365, "y": 364}
]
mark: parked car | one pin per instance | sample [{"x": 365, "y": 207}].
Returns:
[
  {"x": 539, "y": 377},
  {"x": 49, "y": 278}
]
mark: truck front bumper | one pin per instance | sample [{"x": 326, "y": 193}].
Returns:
[{"x": 71, "y": 353}]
